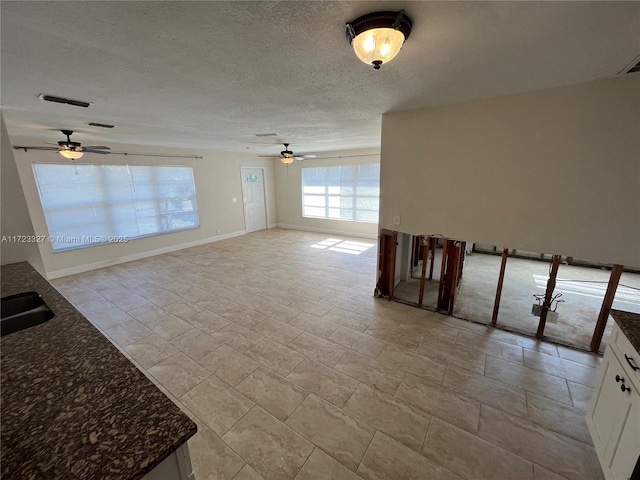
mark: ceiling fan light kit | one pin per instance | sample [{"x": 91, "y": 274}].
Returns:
[{"x": 377, "y": 37}]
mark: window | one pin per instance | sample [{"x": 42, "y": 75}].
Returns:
[
  {"x": 86, "y": 205},
  {"x": 347, "y": 192}
]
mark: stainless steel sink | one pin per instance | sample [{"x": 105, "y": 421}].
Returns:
[{"x": 21, "y": 311}]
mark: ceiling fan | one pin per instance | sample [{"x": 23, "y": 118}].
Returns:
[
  {"x": 69, "y": 149},
  {"x": 287, "y": 156}
]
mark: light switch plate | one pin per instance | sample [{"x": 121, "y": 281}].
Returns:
[{"x": 396, "y": 219}]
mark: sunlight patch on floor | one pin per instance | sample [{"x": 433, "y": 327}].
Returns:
[{"x": 343, "y": 246}]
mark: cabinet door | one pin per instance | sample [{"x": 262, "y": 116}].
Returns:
[
  {"x": 606, "y": 403},
  {"x": 626, "y": 445}
]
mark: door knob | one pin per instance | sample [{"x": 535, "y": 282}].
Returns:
[
  {"x": 624, "y": 388},
  {"x": 619, "y": 379}
]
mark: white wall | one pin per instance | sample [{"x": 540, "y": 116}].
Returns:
[
  {"x": 15, "y": 215},
  {"x": 217, "y": 179},
  {"x": 289, "y": 194},
  {"x": 554, "y": 171}
]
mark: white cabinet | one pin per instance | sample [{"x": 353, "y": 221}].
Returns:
[
  {"x": 613, "y": 417},
  {"x": 176, "y": 466}
]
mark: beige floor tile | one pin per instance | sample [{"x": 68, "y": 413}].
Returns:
[
  {"x": 320, "y": 466},
  {"x": 164, "y": 299},
  {"x": 217, "y": 404},
  {"x": 524, "y": 342},
  {"x": 383, "y": 412},
  {"x": 486, "y": 390},
  {"x": 387, "y": 459},
  {"x": 325, "y": 382},
  {"x": 376, "y": 374},
  {"x": 561, "y": 367},
  {"x": 352, "y": 320},
  {"x": 247, "y": 473},
  {"x": 310, "y": 307},
  {"x": 441, "y": 402},
  {"x": 541, "y": 473},
  {"x": 360, "y": 342},
  {"x": 337, "y": 433},
  {"x": 127, "y": 333},
  {"x": 269, "y": 446},
  {"x": 393, "y": 335},
  {"x": 585, "y": 358},
  {"x": 274, "y": 356},
  {"x": 458, "y": 355},
  {"x": 150, "y": 351},
  {"x": 472, "y": 457},
  {"x": 169, "y": 327},
  {"x": 131, "y": 301},
  {"x": 321, "y": 350},
  {"x": 216, "y": 304},
  {"x": 237, "y": 337},
  {"x": 580, "y": 395},
  {"x": 195, "y": 343},
  {"x": 272, "y": 392},
  {"x": 279, "y": 312},
  {"x": 179, "y": 373},
  {"x": 147, "y": 313},
  {"x": 342, "y": 303},
  {"x": 494, "y": 348},
  {"x": 530, "y": 380},
  {"x": 211, "y": 458},
  {"x": 558, "y": 417},
  {"x": 244, "y": 316},
  {"x": 194, "y": 294},
  {"x": 425, "y": 367},
  {"x": 181, "y": 309},
  {"x": 78, "y": 295},
  {"x": 539, "y": 445},
  {"x": 312, "y": 324},
  {"x": 208, "y": 321},
  {"x": 228, "y": 364},
  {"x": 277, "y": 331}
]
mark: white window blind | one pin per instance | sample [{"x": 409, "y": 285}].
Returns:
[
  {"x": 346, "y": 192},
  {"x": 87, "y": 205}
]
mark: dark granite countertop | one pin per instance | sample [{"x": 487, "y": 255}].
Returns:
[
  {"x": 629, "y": 323},
  {"x": 73, "y": 406}
]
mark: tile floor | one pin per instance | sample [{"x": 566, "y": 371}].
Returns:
[{"x": 273, "y": 344}]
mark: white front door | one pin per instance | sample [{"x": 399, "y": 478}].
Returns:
[{"x": 255, "y": 210}]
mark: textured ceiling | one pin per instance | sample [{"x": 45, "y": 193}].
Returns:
[{"x": 212, "y": 74}]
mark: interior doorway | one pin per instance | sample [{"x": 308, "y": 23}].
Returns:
[{"x": 253, "y": 191}]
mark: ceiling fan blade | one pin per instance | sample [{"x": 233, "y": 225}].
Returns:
[
  {"x": 97, "y": 147},
  {"x": 98, "y": 151},
  {"x": 268, "y": 156},
  {"x": 51, "y": 149}
]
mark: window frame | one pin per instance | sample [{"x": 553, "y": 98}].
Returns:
[
  {"x": 110, "y": 207},
  {"x": 327, "y": 195}
]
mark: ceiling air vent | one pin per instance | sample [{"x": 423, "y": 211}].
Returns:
[
  {"x": 103, "y": 125},
  {"x": 68, "y": 101},
  {"x": 633, "y": 67}
]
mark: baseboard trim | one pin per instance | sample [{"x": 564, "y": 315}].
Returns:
[
  {"x": 327, "y": 230},
  {"x": 137, "y": 256}
]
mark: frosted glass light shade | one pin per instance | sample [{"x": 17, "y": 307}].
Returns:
[
  {"x": 286, "y": 160},
  {"x": 71, "y": 154},
  {"x": 377, "y": 37},
  {"x": 378, "y": 46}
]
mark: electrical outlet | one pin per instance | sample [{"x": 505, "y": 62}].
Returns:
[
  {"x": 218, "y": 232},
  {"x": 234, "y": 199},
  {"x": 396, "y": 219}
]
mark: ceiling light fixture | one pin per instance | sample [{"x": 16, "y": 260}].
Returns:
[
  {"x": 286, "y": 160},
  {"x": 378, "y": 37},
  {"x": 71, "y": 154}
]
